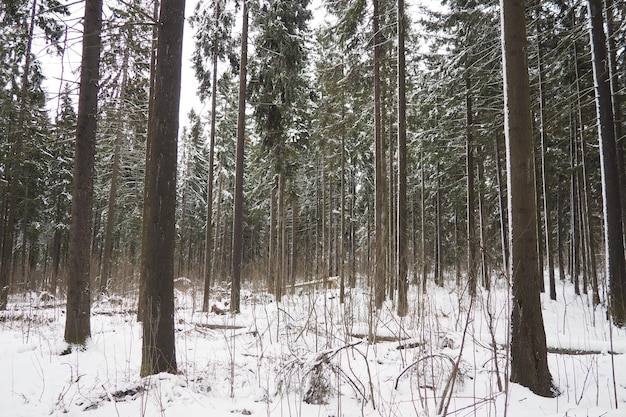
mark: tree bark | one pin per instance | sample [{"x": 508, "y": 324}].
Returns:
[
  {"x": 613, "y": 236},
  {"x": 208, "y": 240},
  {"x": 529, "y": 364},
  {"x": 238, "y": 209},
  {"x": 379, "y": 256},
  {"x": 402, "y": 226},
  {"x": 472, "y": 242},
  {"x": 77, "y": 324},
  {"x": 105, "y": 271},
  {"x": 159, "y": 223}
]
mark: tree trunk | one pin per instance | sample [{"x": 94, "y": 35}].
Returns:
[
  {"x": 105, "y": 271},
  {"x": 238, "y": 209},
  {"x": 529, "y": 364},
  {"x": 472, "y": 242},
  {"x": 502, "y": 209},
  {"x": 613, "y": 234},
  {"x": 159, "y": 223},
  {"x": 141, "y": 307},
  {"x": 617, "y": 109},
  {"x": 77, "y": 324},
  {"x": 208, "y": 240},
  {"x": 379, "y": 256},
  {"x": 547, "y": 215},
  {"x": 402, "y": 226}
]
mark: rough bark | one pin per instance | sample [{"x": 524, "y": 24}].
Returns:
[
  {"x": 402, "y": 307},
  {"x": 78, "y": 311},
  {"x": 613, "y": 236},
  {"x": 208, "y": 241},
  {"x": 107, "y": 245},
  {"x": 238, "y": 209},
  {"x": 159, "y": 226},
  {"x": 529, "y": 365},
  {"x": 379, "y": 256}
]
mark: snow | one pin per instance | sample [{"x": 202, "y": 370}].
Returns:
[{"x": 270, "y": 358}]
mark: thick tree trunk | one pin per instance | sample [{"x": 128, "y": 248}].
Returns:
[
  {"x": 617, "y": 108},
  {"x": 77, "y": 324},
  {"x": 159, "y": 223},
  {"x": 613, "y": 232},
  {"x": 141, "y": 307},
  {"x": 529, "y": 364}
]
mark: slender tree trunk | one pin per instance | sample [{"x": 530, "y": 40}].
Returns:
[
  {"x": 438, "y": 230},
  {"x": 613, "y": 232},
  {"x": 423, "y": 223},
  {"x": 105, "y": 271},
  {"x": 472, "y": 258},
  {"x": 208, "y": 240},
  {"x": 282, "y": 237},
  {"x": 159, "y": 223},
  {"x": 379, "y": 256},
  {"x": 342, "y": 220},
  {"x": 271, "y": 258},
  {"x": 482, "y": 225},
  {"x": 77, "y": 324},
  {"x": 238, "y": 210},
  {"x": 547, "y": 215},
  {"x": 504, "y": 241},
  {"x": 529, "y": 363},
  {"x": 403, "y": 284}
]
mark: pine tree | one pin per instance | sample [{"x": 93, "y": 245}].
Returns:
[{"x": 529, "y": 362}]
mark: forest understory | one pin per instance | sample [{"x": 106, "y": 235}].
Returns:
[{"x": 309, "y": 355}]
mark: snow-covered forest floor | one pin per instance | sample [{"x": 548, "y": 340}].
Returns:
[{"x": 308, "y": 356}]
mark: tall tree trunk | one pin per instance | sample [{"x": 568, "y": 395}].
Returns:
[
  {"x": 241, "y": 130},
  {"x": 78, "y": 311},
  {"x": 379, "y": 155},
  {"x": 547, "y": 215},
  {"x": 472, "y": 242},
  {"x": 439, "y": 230},
  {"x": 208, "y": 240},
  {"x": 105, "y": 271},
  {"x": 402, "y": 226},
  {"x": 529, "y": 363},
  {"x": 504, "y": 241},
  {"x": 159, "y": 223},
  {"x": 282, "y": 238},
  {"x": 423, "y": 222},
  {"x": 271, "y": 253},
  {"x": 141, "y": 304},
  {"x": 482, "y": 225},
  {"x": 613, "y": 232},
  {"x": 617, "y": 108}
]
